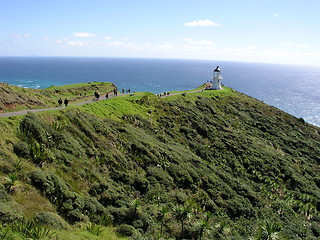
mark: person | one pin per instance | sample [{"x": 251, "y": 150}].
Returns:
[
  {"x": 122, "y": 90},
  {"x": 66, "y": 101},
  {"x": 107, "y": 95},
  {"x": 60, "y": 102}
]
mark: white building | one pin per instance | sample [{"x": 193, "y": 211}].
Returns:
[{"x": 216, "y": 79}]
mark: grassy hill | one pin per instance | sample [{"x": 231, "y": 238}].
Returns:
[
  {"x": 204, "y": 165},
  {"x": 13, "y": 98}
]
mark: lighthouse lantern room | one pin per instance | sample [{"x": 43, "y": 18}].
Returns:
[{"x": 216, "y": 79}]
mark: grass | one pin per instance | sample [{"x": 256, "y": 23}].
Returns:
[
  {"x": 82, "y": 234},
  {"x": 116, "y": 108},
  {"x": 32, "y": 201},
  {"x": 74, "y": 86},
  {"x": 14, "y": 98},
  {"x": 190, "y": 90}
]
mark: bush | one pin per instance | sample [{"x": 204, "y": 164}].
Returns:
[
  {"x": 33, "y": 229},
  {"x": 52, "y": 220},
  {"x": 139, "y": 182},
  {"x": 5, "y": 232},
  {"x": 120, "y": 215},
  {"x": 33, "y": 127},
  {"x": 126, "y": 230},
  {"x": 72, "y": 205},
  {"x": 22, "y": 149},
  {"x": 3, "y": 194},
  {"x": 8, "y": 214},
  {"x": 94, "y": 229}
]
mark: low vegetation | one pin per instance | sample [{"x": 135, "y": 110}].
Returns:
[
  {"x": 197, "y": 165},
  {"x": 14, "y": 98}
]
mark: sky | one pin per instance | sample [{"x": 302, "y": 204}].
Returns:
[{"x": 273, "y": 31}]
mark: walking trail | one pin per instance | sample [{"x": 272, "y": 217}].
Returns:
[{"x": 10, "y": 114}]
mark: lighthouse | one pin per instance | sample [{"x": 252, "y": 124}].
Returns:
[{"x": 216, "y": 79}]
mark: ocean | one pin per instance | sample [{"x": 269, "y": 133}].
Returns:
[{"x": 292, "y": 88}]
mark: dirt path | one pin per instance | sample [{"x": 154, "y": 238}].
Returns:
[
  {"x": 10, "y": 114},
  {"x": 179, "y": 93}
]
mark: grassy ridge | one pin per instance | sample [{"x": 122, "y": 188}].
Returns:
[
  {"x": 14, "y": 98},
  {"x": 200, "y": 165}
]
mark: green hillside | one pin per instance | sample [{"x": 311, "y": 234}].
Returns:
[
  {"x": 13, "y": 98},
  {"x": 202, "y": 165}
]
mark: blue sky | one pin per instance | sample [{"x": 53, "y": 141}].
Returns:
[{"x": 277, "y": 31}]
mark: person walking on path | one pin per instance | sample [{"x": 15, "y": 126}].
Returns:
[
  {"x": 96, "y": 95},
  {"x": 107, "y": 95},
  {"x": 66, "y": 101},
  {"x": 60, "y": 102}
]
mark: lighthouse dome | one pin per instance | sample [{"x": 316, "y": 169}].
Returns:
[{"x": 217, "y": 69}]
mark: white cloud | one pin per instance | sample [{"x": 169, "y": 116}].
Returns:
[
  {"x": 201, "y": 42},
  {"x": 20, "y": 36},
  {"x": 47, "y": 38},
  {"x": 116, "y": 43},
  {"x": 275, "y": 15},
  {"x": 291, "y": 44},
  {"x": 84, "y": 34},
  {"x": 78, "y": 43},
  {"x": 303, "y": 45},
  {"x": 165, "y": 46},
  {"x": 60, "y": 41},
  {"x": 288, "y": 44},
  {"x": 107, "y": 38},
  {"x": 202, "y": 23}
]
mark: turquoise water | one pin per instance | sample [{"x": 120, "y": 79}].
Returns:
[{"x": 294, "y": 89}]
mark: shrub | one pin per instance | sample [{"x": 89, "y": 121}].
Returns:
[
  {"x": 39, "y": 153},
  {"x": 3, "y": 194},
  {"x": 106, "y": 220},
  {"x": 32, "y": 127},
  {"x": 75, "y": 215},
  {"x": 22, "y": 149},
  {"x": 126, "y": 230},
  {"x": 98, "y": 188},
  {"x": 52, "y": 220},
  {"x": 33, "y": 229},
  {"x": 11, "y": 182},
  {"x": 161, "y": 175},
  {"x": 7, "y": 213},
  {"x": 53, "y": 187},
  {"x": 94, "y": 229},
  {"x": 139, "y": 182},
  {"x": 120, "y": 215},
  {"x": 5, "y": 232}
]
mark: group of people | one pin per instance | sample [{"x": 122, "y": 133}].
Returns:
[
  {"x": 127, "y": 91},
  {"x": 163, "y": 94},
  {"x": 60, "y": 101},
  {"x": 115, "y": 93},
  {"x": 96, "y": 96}
]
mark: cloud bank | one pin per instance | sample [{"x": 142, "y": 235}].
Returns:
[
  {"x": 84, "y": 34},
  {"x": 202, "y": 23}
]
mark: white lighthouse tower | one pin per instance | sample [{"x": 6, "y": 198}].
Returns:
[{"x": 216, "y": 79}]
